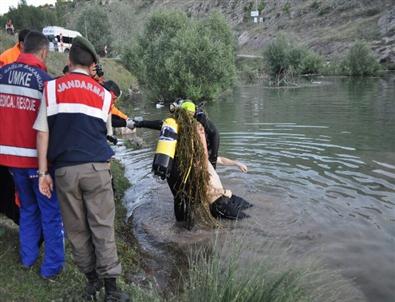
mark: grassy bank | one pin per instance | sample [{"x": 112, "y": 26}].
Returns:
[{"x": 18, "y": 284}]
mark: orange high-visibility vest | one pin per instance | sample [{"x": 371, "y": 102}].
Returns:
[
  {"x": 117, "y": 112},
  {"x": 10, "y": 55}
]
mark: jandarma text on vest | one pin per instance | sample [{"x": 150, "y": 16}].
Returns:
[{"x": 80, "y": 84}]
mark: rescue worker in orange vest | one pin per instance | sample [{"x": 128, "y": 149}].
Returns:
[
  {"x": 118, "y": 118},
  {"x": 10, "y": 55}
]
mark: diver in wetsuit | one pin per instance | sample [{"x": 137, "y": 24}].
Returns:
[{"x": 223, "y": 203}]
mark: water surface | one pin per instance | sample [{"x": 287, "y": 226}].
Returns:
[{"x": 321, "y": 174}]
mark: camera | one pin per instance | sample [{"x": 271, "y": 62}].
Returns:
[{"x": 99, "y": 70}]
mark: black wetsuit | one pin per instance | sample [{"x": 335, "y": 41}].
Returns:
[
  {"x": 211, "y": 132},
  {"x": 223, "y": 207},
  {"x": 117, "y": 121},
  {"x": 174, "y": 180}
]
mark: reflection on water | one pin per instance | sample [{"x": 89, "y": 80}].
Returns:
[{"x": 325, "y": 159}]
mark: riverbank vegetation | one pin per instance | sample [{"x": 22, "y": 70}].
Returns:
[
  {"x": 223, "y": 273},
  {"x": 359, "y": 61},
  {"x": 93, "y": 23},
  {"x": 212, "y": 278},
  {"x": 284, "y": 60},
  {"x": 177, "y": 56}
]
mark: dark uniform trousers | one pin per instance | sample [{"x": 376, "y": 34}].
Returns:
[{"x": 87, "y": 204}]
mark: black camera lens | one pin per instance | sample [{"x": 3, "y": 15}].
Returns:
[{"x": 99, "y": 70}]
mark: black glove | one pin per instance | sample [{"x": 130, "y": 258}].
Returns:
[
  {"x": 138, "y": 121},
  {"x": 112, "y": 139}
]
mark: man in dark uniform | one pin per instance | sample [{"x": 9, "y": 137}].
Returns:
[{"x": 72, "y": 128}]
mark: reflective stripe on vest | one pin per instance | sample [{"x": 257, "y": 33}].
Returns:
[
  {"x": 18, "y": 151},
  {"x": 53, "y": 107},
  {"x": 21, "y": 91}
]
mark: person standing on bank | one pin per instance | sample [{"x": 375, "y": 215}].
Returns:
[
  {"x": 21, "y": 87},
  {"x": 10, "y": 55},
  {"x": 72, "y": 133}
]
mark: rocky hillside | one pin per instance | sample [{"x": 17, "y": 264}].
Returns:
[{"x": 327, "y": 26}]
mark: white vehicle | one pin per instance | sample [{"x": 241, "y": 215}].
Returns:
[{"x": 60, "y": 38}]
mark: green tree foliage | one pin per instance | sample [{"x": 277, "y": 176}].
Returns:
[
  {"x": 179, "y": 57},
  {"x": 261, "y": 5},
  {"x": 360, "y": 61},
  {"x": 93, "y": 23},
  {"x": 284, "y": 59},
  {"x": 62, "y": 7},
  {"x": 31, "y": 17}
]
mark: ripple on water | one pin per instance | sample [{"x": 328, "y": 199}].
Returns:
[{"x": 321, "y": 174}]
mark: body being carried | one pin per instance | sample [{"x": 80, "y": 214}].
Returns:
[{"x": 196, "y": 187}]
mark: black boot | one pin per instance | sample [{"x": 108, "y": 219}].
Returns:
[
  {"x": 93, "y": 286},
  {"x": 113, "y": 294}
]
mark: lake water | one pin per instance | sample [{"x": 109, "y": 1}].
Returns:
[{"x": 321, "y": 173}]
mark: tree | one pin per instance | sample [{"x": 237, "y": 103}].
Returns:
[
  {"x": 283, "y": 59},
  {"x": 180, "y": 57},
  {"x": 31, "y": 17},
  {"x": 360, "y": 61},
  {"x": 93, "y": 23}
]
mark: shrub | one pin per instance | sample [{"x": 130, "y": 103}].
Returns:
[
  {"x": 93, "y": 23},
  {"x": 283, "y": 59},
  {"x": 180, "y": 57},
  {"x": 360, "y": 61},
  {"x": 315, "y": 5},
  {"x": 286, "y": 8},
  {"x": 261, "y": 5},
  {"x": 311, "y": 63}
]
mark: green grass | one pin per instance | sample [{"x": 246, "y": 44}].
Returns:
[
  {"x": 7, "y": 41},
  {"x": 55, "y": 63},
  {"x": 114, "y": 70},
  {"x": 222, "y": 275},
  {"x": 18, "y": 284},
  {"x": 226, "y": 272}
]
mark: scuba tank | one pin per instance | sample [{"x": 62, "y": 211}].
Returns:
[{"x": 166, "y": 148}]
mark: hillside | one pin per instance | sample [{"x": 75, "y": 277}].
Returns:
[
  {"x": 327, "y": 26},
  {"x": 56, "y": 61}
]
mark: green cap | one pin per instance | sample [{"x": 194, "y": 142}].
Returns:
[
  {"x": 188, "y": 106},
  {"x": 85, "y": 44}
]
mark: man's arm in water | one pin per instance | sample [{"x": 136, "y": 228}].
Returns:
[{"x": 229, "y": 162}]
